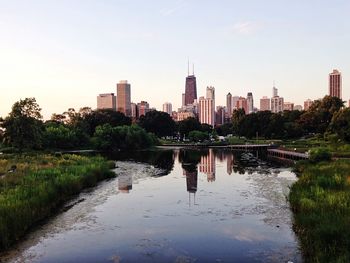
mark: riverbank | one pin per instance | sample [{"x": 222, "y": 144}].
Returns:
[
  {"x": 33, "y": 186},
  {"x": 320, "y": 200}
]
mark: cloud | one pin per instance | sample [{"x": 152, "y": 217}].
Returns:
[
  {"x": 180, "y": 4},
  {"x": 246, "y": 28}
]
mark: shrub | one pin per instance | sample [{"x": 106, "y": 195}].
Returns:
[{"x": 319, "y": 155}]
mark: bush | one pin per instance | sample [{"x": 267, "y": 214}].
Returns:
[{"x": 319, "y": 155}]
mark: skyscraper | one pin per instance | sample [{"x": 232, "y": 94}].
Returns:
[
  {"x": 277, "y": 104},
  {"x": 288, "y": 106},
  {"x": 250, "y": 102},
  {"x": 167, "y": 107},
  {"x": 124, "y": 97},
  {"x": 335, "y": 84},
  {"x": 190, "y": 89},
  {"x": 229, "y": 104},
  {"x": 307, "y": 104},
  {"x": 265, "y": 104},
  {"x": 143, "y": 108},
  {"x": 242, "y": 104},
  {"x": 207, "y": 107},
  {"x": 274, "y": 91},
  {"x": 106, "y": 101}
]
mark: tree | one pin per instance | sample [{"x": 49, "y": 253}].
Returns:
[
  {"x": 198, "y": 136},
  {"x": 23, "y": 127},
  {"x": 237, "y": 117},
  {"x": 340, "y": 124},
  {"x": 158, "y": 122},
  {"x": 187, "y": 125}
]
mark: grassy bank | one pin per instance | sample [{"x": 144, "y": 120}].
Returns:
[
  {"x": 39, "y": 184},
  {"x": 321, "y": 204}
]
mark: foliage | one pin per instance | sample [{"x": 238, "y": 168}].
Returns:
[
  {"x": 320, "y": 200},
  {"x": 108, "y": 138},
  {"x": 340, "y": 124},
  {"x": 319, "y": 155},
  {"x": 198, "y": 136},
  {"x": 60, "y": 137},
  {"x": 188, "y": 125},
  {"x": 225, "y": 129},
  {"x": 23, "y": 127},
  {"x": 39, "y": 185},
  {"x": 158, "y": 122}
]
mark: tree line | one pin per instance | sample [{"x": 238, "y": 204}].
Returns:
[{"x": 24, "y": 127}]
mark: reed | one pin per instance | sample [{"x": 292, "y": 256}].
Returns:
[
  {"x": 40, "y": 184},
  {"x": 321, "y": 204}
]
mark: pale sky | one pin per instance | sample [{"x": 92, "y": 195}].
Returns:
[{"x": 64, "y": 53}]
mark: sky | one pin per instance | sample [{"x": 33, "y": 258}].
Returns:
[{"x": 64, "y": 53}]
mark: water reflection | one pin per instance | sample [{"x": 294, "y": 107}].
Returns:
[
  {"x": 125, "y": 182},
  {"x": 209, "y": 208}
]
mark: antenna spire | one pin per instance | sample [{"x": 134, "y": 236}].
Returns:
[{"x": 193, "y": 69}]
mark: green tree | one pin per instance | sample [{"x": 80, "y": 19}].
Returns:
[
  {"x": 237, "y": 118},
  {"x": 187, "y": 125},
  {"x": 340, "y": 124},
  {"x": 198, "y": 136},
  {"x": 23, "y": 127},
  {"x": 158, "y": 122}
]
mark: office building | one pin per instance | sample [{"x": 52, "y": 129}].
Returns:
[
  {"x": 277, "y": 104},
  {"x": 106, "y": 101},
  {"x": 274, "y": 92},
  {"x": 134, "y": 111},
  {"x": 220, "y": 115},
  {"x": 143, "y": 108},
  {"x": 234, "y": 102},
  {"x": 229, "y": 104},
  {"x": 250, "y": 102},
  {"x": 206, "y": 108},
  {"x": 167, "y": 107},
  {"x": 183, "y": 115},
  {"x": 335, "y": 84},
  {"x": 190, "y": 89},
  {"x": 288, "y": 106},
  {"x": 265, "y": 104},
  {"x": 124, "y": 97},
  {"x": 307, "y": 104},
  {"x": 242, "y": 104}
]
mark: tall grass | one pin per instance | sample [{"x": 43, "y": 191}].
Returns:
[
  {"x": 39, "y": 185},
  {"x": 321, "y": 204}
]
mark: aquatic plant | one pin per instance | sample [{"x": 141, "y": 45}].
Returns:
[{"x": 40, "y": 184}]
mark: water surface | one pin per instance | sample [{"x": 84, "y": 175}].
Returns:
[{"x": 173, "y": 206}]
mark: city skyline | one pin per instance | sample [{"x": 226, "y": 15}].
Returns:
[{"x": 68, "y": 60}]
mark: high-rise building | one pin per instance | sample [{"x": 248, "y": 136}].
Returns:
[
  {"x": 207, "y": 107},
  {"x": 143, "y": 108},
  {"x": 335, "y": 84},
  {"x": 277, "y": 104},
  {"x": 307, "y": 104},
  {"x": 124, "y": 97},
  {"x": 106, "y": 101},
  {"x": 234, "y": 102},
  {"x": 265, "y": 104},
  {"x": 242, "y": 104},
  {"x": 183, "y": 103},
  {"x": 250, "y": 102},
  {"x": 168, "y": 108},
  {"x": 274, "y": 92},
  {"x": 288, "y": 106},
  {"x": 190, "y": 89},
  {"x": 134, "y": 111},
  {"x": 183, "y": 115},
  {"x": 220, "y": 115},
  {"x": 229, "y": 104}
]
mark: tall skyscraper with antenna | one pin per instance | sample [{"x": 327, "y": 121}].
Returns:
[{"x": 190, "y": 87}]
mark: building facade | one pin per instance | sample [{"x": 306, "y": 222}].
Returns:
[
  {"x": 307, "y": 104},
  {"x": 106, "y": 101},
  {"x": 288, "y": 106},
  {"x": 190, "y": 90},
  {"x": 124, "y": 97},
  {"x": 143, "y": 108},
  {"x": 242, "y": 104},
  {"x": 168, "y": 108},
  {"x": 250, "y": 102},
  {"x": 335, "y": 84},
  {"x": 265, "y": 104},
  {"x": 229, "y": 105},
  {"x": 183, "y": 115},
  {"x": 277, "y": 104}
]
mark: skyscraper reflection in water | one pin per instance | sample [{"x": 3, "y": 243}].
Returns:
[
  {"x": 207, "y": 165},
  {"x": 125, "y": 182}
]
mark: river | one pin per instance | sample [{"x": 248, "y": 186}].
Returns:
[{"x": 173, "y": 206}]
